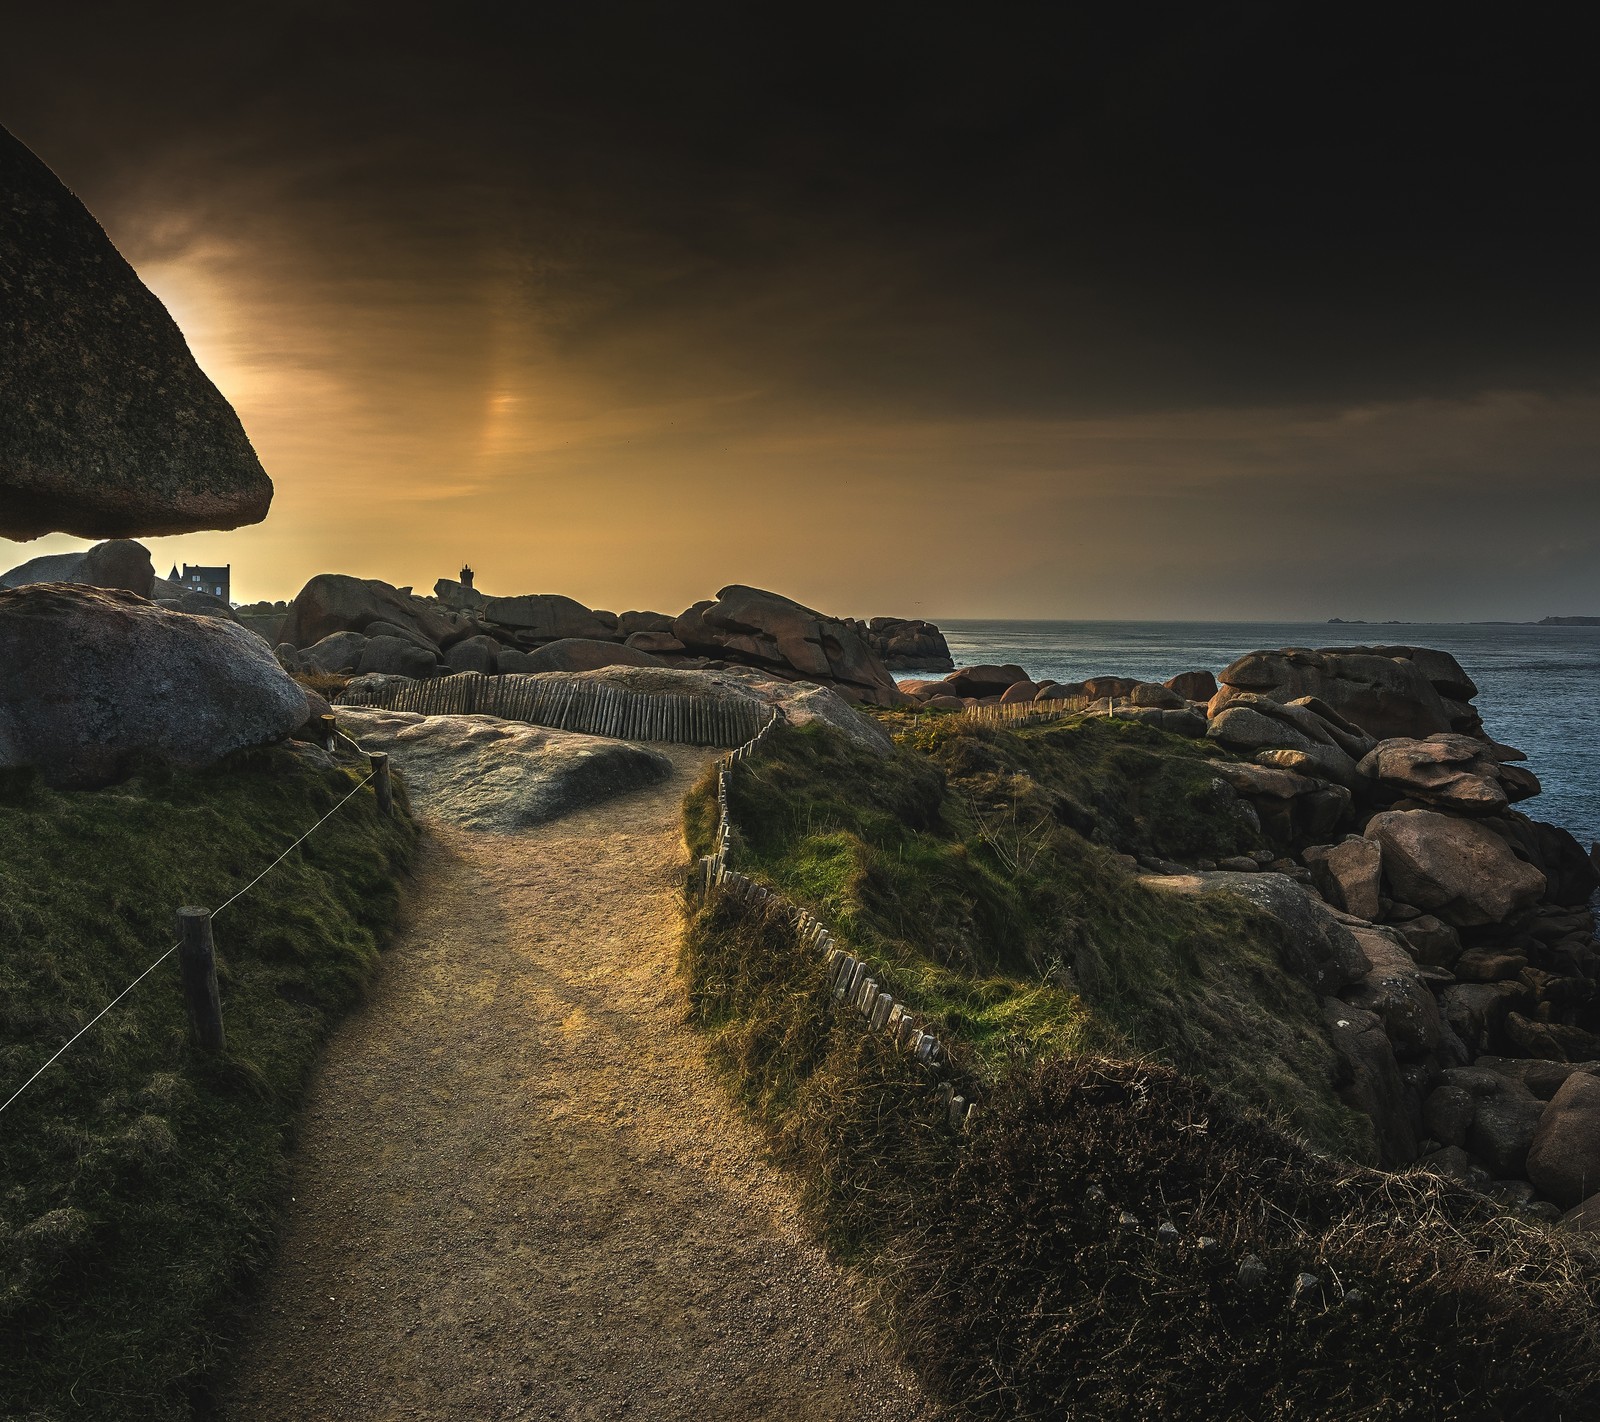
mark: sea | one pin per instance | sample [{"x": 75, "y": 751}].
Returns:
[{"x": 1538, "y": 687}]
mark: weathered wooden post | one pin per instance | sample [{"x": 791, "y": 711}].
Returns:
[
  {"x": 197, "y": 958},
  {"x": 380, "y": 782},
  {"x": 329, "y": 731}
]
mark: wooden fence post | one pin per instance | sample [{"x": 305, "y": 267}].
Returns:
[
  {"x": 328, "y": 733},
  {"x": 198, "y": 960},
  {"x": 380, "y": 782}
]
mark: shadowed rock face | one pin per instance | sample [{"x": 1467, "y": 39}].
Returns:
[
  {"x": 91, "y": 680},
  {"x": 108, "y": 428}
]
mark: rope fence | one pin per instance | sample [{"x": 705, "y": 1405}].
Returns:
[
  {"x": 849, "y": 977},
  {"x": 592, "y": 708},
  {"x": 197, "y": 952}
]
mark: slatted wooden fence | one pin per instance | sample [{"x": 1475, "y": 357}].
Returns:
[
  {"x": 594, "y": 708},
  {"x": 849, "y": 977}
]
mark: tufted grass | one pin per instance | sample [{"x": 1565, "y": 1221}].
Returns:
[
  {"x": 142, "y": 1182},
  {"x": 957, "y": 866},
  {"x": 1013, "y": 1284}
]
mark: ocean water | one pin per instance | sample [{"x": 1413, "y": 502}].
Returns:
[{"x": 1538, "y": 687}]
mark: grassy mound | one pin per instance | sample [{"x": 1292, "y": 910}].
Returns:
[
  {"x": 139, "y": 1180},
  {"x": 977, "y": 868},
  {"x": 1016, "y": 1286}
]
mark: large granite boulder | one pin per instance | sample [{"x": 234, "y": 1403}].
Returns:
[
  {"x": 479, "y": 654},
  {"x": 119, "y": 563},
  {"x": 336, "y": 602},
  {"x": 1456, "y": 869},
  {"x": 1451, "y": 771},
  {"x": 1194, "y": 685},
  {"x": 501, "y": 776},
  {"x": 576, "y": 654},
  {"x": 108, "y": 428},
  {"x": 199, "y": 604},
  {"x": 1349, "y": 875},
  {"x": 980, "y": 681},
  {"x": 749, "y": 625},
  {"x": 1564, "y": 1158},
  {"x": 548, "y": 617},
  {"x": 1385, "y": 691},
  {"x": 91, "y": 679}
]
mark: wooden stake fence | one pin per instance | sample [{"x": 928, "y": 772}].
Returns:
[
  {"x": 848, "y": 976},
  {"x": 592, "y": 708}
]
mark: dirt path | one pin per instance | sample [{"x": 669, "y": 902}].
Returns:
[{"x": 522, "y": 1195}]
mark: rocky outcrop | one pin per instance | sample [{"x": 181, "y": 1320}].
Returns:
[
  {"x": 1449, "y": 771},
  {"x": 548, "y": 617},
  {"x": 1456, "y": 869},
  {"x": 108, "y": 428},
  {"x": 906, "y": 644},
  {"x": 748, "y": 625},
  {"x": 1385, "y": 691},
  {"x": 335, "y": 602},
  {"x": 92, "y": 680},
  {"x": 502, "y": 776}
]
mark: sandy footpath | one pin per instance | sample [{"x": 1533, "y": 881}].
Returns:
[{"x": 520, "y": 1193}]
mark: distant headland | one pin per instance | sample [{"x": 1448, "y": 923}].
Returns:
[{"x": 1482, "y": 622}]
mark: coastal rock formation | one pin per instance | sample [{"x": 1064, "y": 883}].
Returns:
[
  {"x": 547, "y": 617},
  {"x": 502, "y": 776},
  {"x": 1450, "y": 771},
  {"x": 1194, "y": 685},
  {"x": 1370, "y": 1078},
  {"x": 335, "y": 602},
  {"x": 108, "y": 428},
  {"x": 1349, "y": 875},
  {"x": 1456, "y": 869},
  {"x": 906, "y": 644},
  {"x": 749, "y": 625},
  {"x": 90, "y": 680},
  {"x": 1385, "y": 691}
]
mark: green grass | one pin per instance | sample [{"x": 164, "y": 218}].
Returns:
[
  {"x": 1014, "y": 1289},
  {"x": 978, "y": 869},
  {"x": 141, "y": 1181}
]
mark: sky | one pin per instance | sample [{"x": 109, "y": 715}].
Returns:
[{"x": 1241, "y": 311}]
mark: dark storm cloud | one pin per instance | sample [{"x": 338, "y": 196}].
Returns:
[
  {"x": 1221, "y": 310},
  {"x": 1014, "y": 209}
]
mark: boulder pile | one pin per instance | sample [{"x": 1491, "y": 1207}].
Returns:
[
  {"x": 358, "y": 626},
  {"x": 1463, "y": 994}
]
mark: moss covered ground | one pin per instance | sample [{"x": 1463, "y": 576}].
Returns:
[
  {"x": 1133, "y": 1054},
  {"x": 141, "y": 1181}
]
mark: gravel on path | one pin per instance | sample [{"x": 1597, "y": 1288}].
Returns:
[{"x": 520, "y": 1192}]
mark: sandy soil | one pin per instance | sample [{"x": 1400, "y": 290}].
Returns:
[{"x": 520, "y": 1192}]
